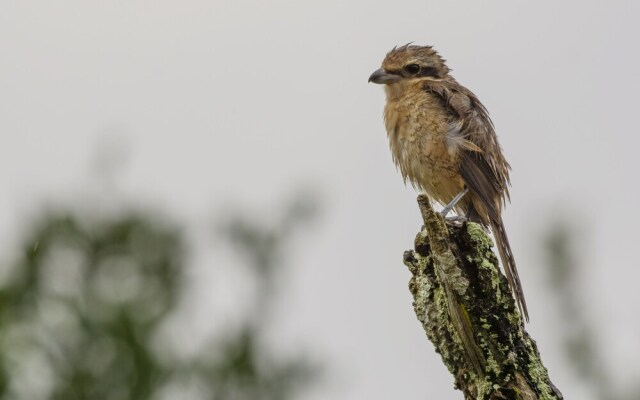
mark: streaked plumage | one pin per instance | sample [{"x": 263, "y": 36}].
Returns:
[{"x": 443, "y": 142}]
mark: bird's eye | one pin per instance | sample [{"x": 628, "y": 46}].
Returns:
[{"x": 412, "y": 69}]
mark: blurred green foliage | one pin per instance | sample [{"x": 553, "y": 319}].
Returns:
[
  {"x": 82, "y": 306},
  {"x": 579, "y": 333}
]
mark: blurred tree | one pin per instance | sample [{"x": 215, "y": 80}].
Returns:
[
  {"x": 579, "y": 334},
  {"x": 81, "y": 308}
]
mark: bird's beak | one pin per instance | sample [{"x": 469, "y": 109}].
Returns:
[{"x": 381, "y": 76}]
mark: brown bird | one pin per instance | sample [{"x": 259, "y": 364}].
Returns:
[{"x": 445, "y": 145}]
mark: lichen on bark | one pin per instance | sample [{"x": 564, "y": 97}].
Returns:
[{"x": 466, "y": 308}]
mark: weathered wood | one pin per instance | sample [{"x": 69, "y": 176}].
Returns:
[{"x": 466, "y": 308}]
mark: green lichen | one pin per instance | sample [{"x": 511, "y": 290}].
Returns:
[
  {"x": 480, "y": 336},
  {"x": 538, "y": 374},
  {"x": 478, "y": 237}
]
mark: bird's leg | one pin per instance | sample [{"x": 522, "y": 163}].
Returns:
[{"x": 447, "y": 209}]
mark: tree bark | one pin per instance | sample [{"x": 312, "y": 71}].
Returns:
[{"x": 467, "y": 311}]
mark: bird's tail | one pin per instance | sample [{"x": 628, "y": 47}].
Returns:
[{"x": 509, "y": 264}]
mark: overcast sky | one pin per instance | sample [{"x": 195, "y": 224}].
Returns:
[{"x": 241, "y": 102}]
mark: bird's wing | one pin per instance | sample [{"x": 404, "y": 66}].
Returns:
[{"x": 482, "y": 166}]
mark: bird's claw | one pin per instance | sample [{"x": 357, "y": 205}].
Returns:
[{"x": 458, "y": 220}]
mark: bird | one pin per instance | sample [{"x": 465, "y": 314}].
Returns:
[{"x": 444, "y": 144}]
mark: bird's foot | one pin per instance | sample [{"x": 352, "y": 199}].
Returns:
[{"x": 457, "y": 220}]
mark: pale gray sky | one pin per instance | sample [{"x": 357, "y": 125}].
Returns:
[{"x": 222, "y": 102}]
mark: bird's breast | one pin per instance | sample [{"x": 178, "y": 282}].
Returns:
[{"x": 417, "y": 129}]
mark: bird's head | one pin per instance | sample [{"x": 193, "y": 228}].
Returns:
[{"x": 410, "y": 63}]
